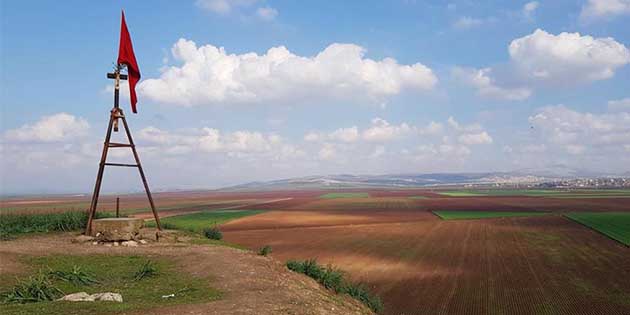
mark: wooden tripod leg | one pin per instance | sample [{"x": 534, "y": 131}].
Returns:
[
  {"x": 99, "y": 177},
  {"x": 144, "y": 179}
]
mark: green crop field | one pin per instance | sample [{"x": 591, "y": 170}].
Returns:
[
  {"x": 467, "y": 215},
  {"x": 461, "y": 194},
  {"x": 196, "y": 222},
  {"x": 615, "y": 225},
  {"x": 344, "y": 195}
]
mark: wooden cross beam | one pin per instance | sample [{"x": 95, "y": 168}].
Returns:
[{"x": 116, "y": 76}]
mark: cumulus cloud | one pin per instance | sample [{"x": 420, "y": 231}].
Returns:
[
  {"x": 529, "y": 8},
  {"x": 577, "y": 132},
  {"x": 267, "y": 13},
  {"x": 54, "y": 128},
  {"x": 486, "y": 85},
  {"x": 475, "y": 138},
  {"x": 622, "y": 105},
  {"x": 567, "y": 57},
  {"x": 466, "y": 22},
  {"x": 209, "y": 75},
  {"x": 381, "y": 130},
  {"x": 211, "y": 140},
  {"x": 597, "y": 9}
]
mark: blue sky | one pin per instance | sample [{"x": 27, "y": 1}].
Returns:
[{"x": 236, "y": 91}]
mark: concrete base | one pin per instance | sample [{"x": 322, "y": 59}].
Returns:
[{"x": 116, "y": 229}]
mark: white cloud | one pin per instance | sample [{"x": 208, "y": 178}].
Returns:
[
  {"x": 578, "y": 131},
  {"x": 567, "y": 57},
  {"x": 381, "y": 130},
  {"x": 597, "y": 9},
  {"x": 350, "y": 134},
  {"x": 54, "y": 128},
  {"x": 575, "y": 149},
  {"x": 327, "y": 152},
  {"x": 529, "y": 8},
  {"x": 208, "y": 75},
  {"x": 212, "y": 140},
  {"x": 466, "y": 22},
  {"x": 345, "y": 134},
  {"x": 486, "y": 85},
  {"x": 223, "y": 6},
  {"x": 475, "y": 138},
  {"x": 267, "y": 13},
  {"x": 622, "y": 105}
]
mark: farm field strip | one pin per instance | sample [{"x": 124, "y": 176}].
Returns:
[
  {"x": 336, "y": 195},
  {"x": 196, "y": 222},
  {"x": 468, "y": 215},
  {"x": 615, "y": 225},
  {"x": 536, "y": 193}
]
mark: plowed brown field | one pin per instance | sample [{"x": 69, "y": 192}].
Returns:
[{"x": 420, "y": 264}]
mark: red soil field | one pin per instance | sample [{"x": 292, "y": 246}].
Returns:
[{"x": 420, "y": 264}]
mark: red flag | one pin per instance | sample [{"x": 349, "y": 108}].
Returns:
[{"x": 127, "y": 57}]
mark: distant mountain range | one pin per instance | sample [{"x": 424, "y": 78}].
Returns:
[{"x": 423, "y": 180}]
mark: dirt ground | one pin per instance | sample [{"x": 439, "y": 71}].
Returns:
[{"x": 250, "y": 284}]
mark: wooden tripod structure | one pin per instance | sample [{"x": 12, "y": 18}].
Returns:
[{"x": 116, "y": 114}]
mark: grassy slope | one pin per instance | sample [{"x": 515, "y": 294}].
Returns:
[
  {"x": 466, "y": 215},
  {"x": 196, "y": 222},
  {"x": 115, "y": 274},
  {"x": 615, "y": 225},
  {"x": 344, "y": 195}
]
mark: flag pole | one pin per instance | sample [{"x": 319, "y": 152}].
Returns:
[{"x": 115, "y": 114}]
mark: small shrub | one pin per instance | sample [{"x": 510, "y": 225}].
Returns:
[
  {"x": 333, "y": 279},
  {"x": 265, "y": 250},
  {"x": 76, "y": 276},
  {"x": 360, "y": 292},
  {"x": 33, "y": 289},
  {"x": 147, "y": 270},
  {"x": 213, "y": 233},
  {"x": 296, "y": 266}
]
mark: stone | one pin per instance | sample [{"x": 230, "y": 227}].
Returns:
[
  {"x": 129, "y": 243},
  {"x": 77, "y": 297},
  {"x": 107, "y": 296},
  {"x": 116, "y": 244},
  {"x": 116, "y": 229},
  {"x": 143, "y": 242},
  {"x": 84, "y": 297},
  {"x": 83, "y": 239}
]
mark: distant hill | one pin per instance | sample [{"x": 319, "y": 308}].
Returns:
[{"x": 395, "y": 180}]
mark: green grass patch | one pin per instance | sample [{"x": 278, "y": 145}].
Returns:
[
  {"x": 15, "y": 224},
  {"x": 468, "y": 215},
  {"x": 334, "y": 279},
  {"x": 197, "y": 222},
  {"x": 345, "y": 195},
  {"x": 615, "y": 225},
  {"x": 461, "y": 194},
  {"x": 419, "y": 197},
  {"x": 113, "y": 273}
]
